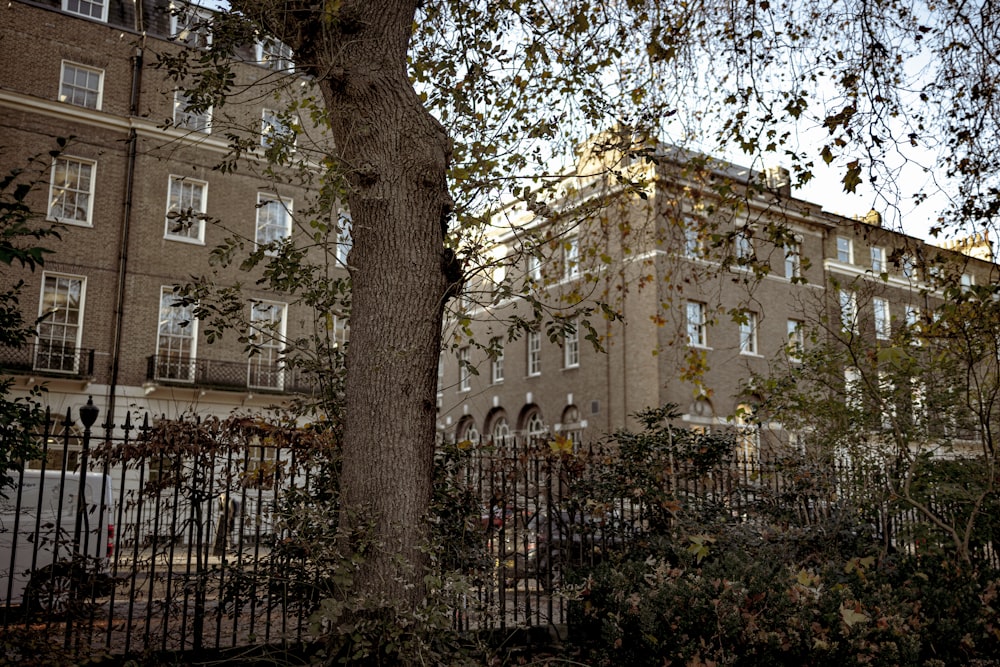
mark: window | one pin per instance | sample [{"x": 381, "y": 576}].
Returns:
[
  {"x": 500, "y": 429},
  {"x": 697, "y": 333},
  {"x": 571, "y": 348},
  {"x": 190, "y": 25},
  {"x": 534, "y": 425},
  {"x": 274, "y": 220},
  {"x": 497, "y": 367},
  {"x": 535, "y": 267},
  {"x": 967, "y": 281},
  {"x": 747, "y": 436},
  {"x": 913, "y": 324},
  {"x": 71, "y": 192},
  {"x": 60, "y": 323},
  {"x": 80, "y": 85},
  {"x": 93, "y": 9},
  {"x": 793, "y": 261},
  {"x": 796, "y": 340},
  {"x": 848, "y": 311},
  {"x": 743, "y": 245},
  {"x": 878, "y": 260},
  {"x": 852, "y": 388},
  {"x": 344, "y": 239},
  {"x": 186, "y": 210},
  {"x": 571, "y": 257},
  {"x": 464, "y": 373},
  {"x": 694, "y": 246},
  {"x": 274, "y": 55},
  {"x": 748, "y": 333},
  {"x": 909, "y": 266},
  {"x": 188, "y": 118},
  {"x": 267, "y": 335},
  {"x": 844, "y": 250},
  {"x": 882, "y": 324},
  {"x": 534, "y": 353},
  {"x": 274, "y": 130},
  {"x": 175, "y": 340}
]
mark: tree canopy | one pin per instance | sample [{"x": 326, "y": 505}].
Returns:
[{"x": 442, "y": 111}]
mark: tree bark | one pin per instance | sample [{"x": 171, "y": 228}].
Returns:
[{"x": 396, "y": 156}]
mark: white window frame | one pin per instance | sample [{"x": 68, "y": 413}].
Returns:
[
  {"x": 697, "y": 327},
  {"x": 169, "y": 332},
  {"x": 273, "y": 128},
  {"x": 883, "y": 326},
  {"x": 748, "y": 333},
  {"x": 184, "y": 28},
  {"x": 64, "y": 189},
  {"x": 878, "y": 260},
  {"x": 275, "y": 55},
  {"x": 908, "y": 266},
  {"x": 845, "y": 250},
  {"x": 464, "y": 373},
  {"x": 747, "y": 436},
  {"x": 345, "y": 240},
  {"x": 913, "y": 323},
  {"x": 266, "y": 368},
  {"x": 190, "y": 120},
  {"x": 68, "y": 89},
  {"x": 183, "y": 182},
  {"x": 571, "y": 347},
  {"x": 534, "y": 267},
  {"x": 68, "y": 7},
  {"x": 60, "y": 325},
  {"x": 496, "y": 368},
  {"x": 796, "y": 340},
  {"x": 848, "y": 301},
  {"x": 793, "y": 260},
  {"x": 743, "y": 246},
  {"x": 272, "y": 205},
  {"x": 534, "y": 344},
  {"x": 571, "y": 257},
  {"x": 694, "y": 246},
  {"x": 534, "y": 425}
]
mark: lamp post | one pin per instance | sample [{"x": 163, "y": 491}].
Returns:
[{"x": 88, "y": 416}]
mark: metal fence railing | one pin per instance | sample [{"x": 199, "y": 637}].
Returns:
[{"x": 176, "y": 537}]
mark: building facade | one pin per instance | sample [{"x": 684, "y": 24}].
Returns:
[
  {"x": 143, "y": 186},
  {"x": 708, "y": 273}
]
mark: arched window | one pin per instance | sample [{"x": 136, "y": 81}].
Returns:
[
  {"x": 531, "y": 423},
  {"x": 571, "y": 427},
  {"x": 497, "y": 426},
  {"x": 701, "y": 414},
  {"x": 467, "y": 430}
]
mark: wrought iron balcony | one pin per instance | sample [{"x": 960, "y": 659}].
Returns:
[
  {"x": 250, "y": 375},
  {"x": 56, "y": 358}
]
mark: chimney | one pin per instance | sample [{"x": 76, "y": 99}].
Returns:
[{"x": 779, "y": 180}]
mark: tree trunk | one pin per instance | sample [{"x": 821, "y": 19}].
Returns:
[{"x": 396, "y": 157}]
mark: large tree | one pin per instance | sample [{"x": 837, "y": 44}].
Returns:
[{"x": 491, "y": 94}]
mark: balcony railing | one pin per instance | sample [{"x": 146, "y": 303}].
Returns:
[
  {"x": 48, "y": 358},
  {"x": 250, "y": 375}
]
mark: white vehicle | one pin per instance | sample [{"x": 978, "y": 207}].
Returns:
[{"x": 43, "y": 565}]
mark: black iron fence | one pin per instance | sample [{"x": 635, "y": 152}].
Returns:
[{"x": 177, "y": 537}]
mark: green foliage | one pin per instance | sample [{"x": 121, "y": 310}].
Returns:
[
  {"x": 751, "y": 604},
  {"x": 796, "y": 576}
]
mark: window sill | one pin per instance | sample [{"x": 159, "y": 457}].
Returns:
[{"x": 183, "y": 239}]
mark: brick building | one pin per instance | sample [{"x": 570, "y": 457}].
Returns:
[
  {"x": 140, "y": 203},
  {"x": 718, "y": 272}
]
